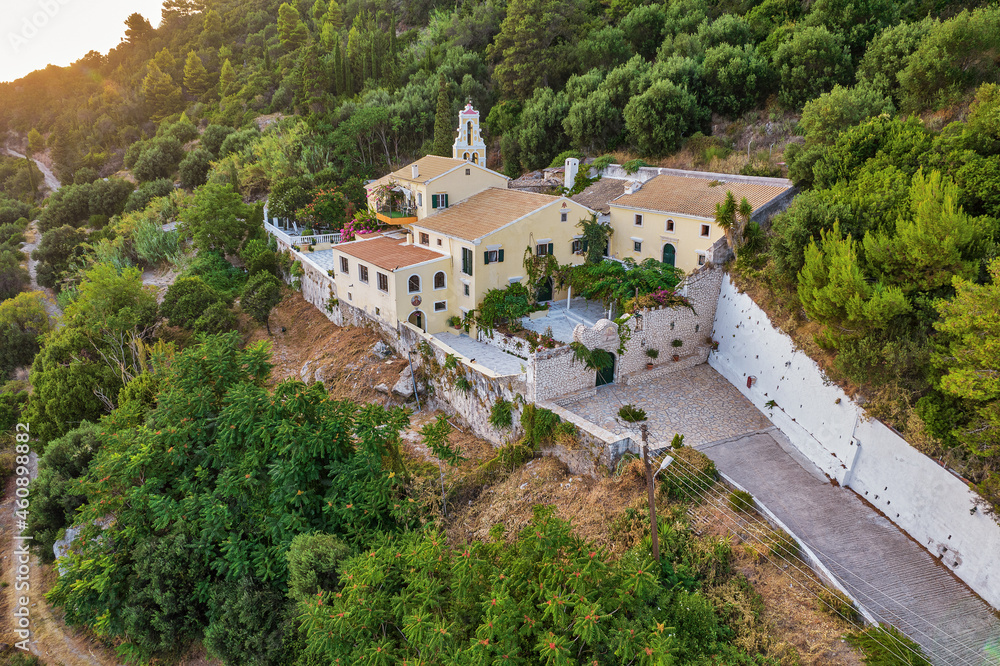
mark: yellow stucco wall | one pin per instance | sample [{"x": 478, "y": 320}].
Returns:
[
  {"x": 435, "y": 321},
  {"x": 457, "y": 185},
  {"x": 542, "y": 225},
  {"x": 686, "y": 236}
]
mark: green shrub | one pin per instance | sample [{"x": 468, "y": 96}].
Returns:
[
  {"x": 885, "y": 645},
  {"x": 154, "y": 245},
  {"x": 501, "y": 416},
  {"x": 781, "y": 543},
  {"x": 539, "y": 425},
  {"x": 217, "y": 318},
  {"x": 463, "y": 384},
  {"x": 313, "y": 560},
  {"x": 560, "y": 159},
  {"x": 690, "y": 475},
  {"x": 633, "y": 166},
  {"x": 631, "y": 414},
  {"x": 217, "y": 273},
  {"x": 742, "y": 501},
  {"x": 186, "y": 300},
  {"x": 836, "y": 603},
  {"x": 450, "y": 361}
]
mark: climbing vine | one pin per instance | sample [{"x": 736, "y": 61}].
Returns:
[
  {"x": 595, "y": 238},
  {"x": 594, "y": 359},
  {"x": 537, "y": 268}
]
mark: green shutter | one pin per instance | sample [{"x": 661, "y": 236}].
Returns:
[
  {"x": 434, "y": 201},
  {"x": 500, "y": 256},
  {"x": 444, "y": 201},
  {"x": 465, "y": 261},
  {"x": 584, "y": 245},
  {"x": 470, "y": 261},
  {"x": 552, "y": 248},
  {"x": 486, "y": 257}
]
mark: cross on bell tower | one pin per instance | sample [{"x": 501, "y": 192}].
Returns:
[{"x": 469, "y": 145}]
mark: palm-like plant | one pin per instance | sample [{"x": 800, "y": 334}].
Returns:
[{"x": 733, "y": 218}]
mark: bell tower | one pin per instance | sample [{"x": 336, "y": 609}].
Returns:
[{"x": 469, "y": 145}]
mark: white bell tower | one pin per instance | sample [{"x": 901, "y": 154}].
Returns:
[{"x": 469, "y": 145}]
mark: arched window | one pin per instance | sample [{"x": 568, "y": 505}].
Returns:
[
  {"x": 468, "y": 132},
  {"x": 465, "y": 156},
  {"x": 414, "y": 283},
  {"x": 475, "y": 158},
  {"x": 440, "y": 280}
]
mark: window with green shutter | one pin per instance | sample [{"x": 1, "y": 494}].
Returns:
[
  {"x": 444, "y": 201},
  {"x": 434, "y": 201},
  {"x": 467, "y": 261}
]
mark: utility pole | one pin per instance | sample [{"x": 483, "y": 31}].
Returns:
[{"x": 652, "y": 494}]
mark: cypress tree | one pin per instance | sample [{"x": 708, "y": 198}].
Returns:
[{"x": 442, "y": 121}]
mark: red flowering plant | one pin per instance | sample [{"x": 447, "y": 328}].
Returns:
[{"x": 328, "y": 209}]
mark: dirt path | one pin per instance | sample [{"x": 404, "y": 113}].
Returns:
[
  {"x": 48, "y": 296},
  {"x": 51, "y": 181},
  {"x": 50, "y": 640}
]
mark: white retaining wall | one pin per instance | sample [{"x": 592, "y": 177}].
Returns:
[{"x": 924, "y": 499}]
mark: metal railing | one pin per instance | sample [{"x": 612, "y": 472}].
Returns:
[{"x": 301, "y": 240}]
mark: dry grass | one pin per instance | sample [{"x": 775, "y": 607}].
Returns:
[{"x": 343, "y": 356}]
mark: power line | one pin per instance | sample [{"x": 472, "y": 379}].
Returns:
[
  {"x": 725, "y": 511},
  {"x": 768, "y": 548}
]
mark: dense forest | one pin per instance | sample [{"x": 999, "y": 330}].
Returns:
[{"x": 277, "y": 525}]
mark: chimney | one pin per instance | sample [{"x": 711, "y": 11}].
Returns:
[
  {"x": 633, "y": 187},
  {"x": 572, "y": 167},
  {"x": 416, "y": 171}
]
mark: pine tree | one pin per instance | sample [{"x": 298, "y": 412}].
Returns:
[
  {"x": 175, "y": 9},
  {"x": 166, "y": 62},
  {"x": 227, "y": 80},
  {"x": 195, "y": 76},
  {"x": 163, "y": 96},
  {"x": 291, "y": 30},
  {"x": 334, "y": 17},
  {"x": 211, "y": 33},
  {"x": 137, "y": 28},
  {"x": 317, "y": 13},
  {"x": 442, "y": 121}
]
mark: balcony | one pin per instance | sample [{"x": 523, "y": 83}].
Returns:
[{"x": 398, "y": 214}]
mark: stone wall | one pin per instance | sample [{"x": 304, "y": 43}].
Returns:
[
  {"x": 318, "y": 288},
  {"x": 935, "y": 507},
  {"x": 507, "y": 343},
  {"x": 486, "y": 386},
  {"x": 556, "y": 372}
]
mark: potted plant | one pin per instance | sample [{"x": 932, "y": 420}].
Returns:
[
  {"x": 677, "y": 344},
  {"x": 652, "y": 354},
  {"x": 455, "y": 322}
]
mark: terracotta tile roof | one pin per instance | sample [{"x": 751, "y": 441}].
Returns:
[
  {"x": 600, "y": 194},
  {"x": 387, "y": 253},
  {"x": 485, "y": 212},
  {"x": 429, "y": 167},
  {"x": 695, "y": 196}
]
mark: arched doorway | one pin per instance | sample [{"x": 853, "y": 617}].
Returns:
[
  {"x": 417, "y": 319},
  {"x": 669, "y": 254},
  {"x": 606, "y": 375},
  {"x": 544, "y": 290}
]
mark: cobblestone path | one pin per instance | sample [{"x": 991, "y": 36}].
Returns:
[{"x": 698, "y": 403}]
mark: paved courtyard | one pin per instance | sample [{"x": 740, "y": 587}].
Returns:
[
  {"x": 562, "y": 321},
  {"x": 698, "y": 403},
  {"x": 496, "y": 360}
]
